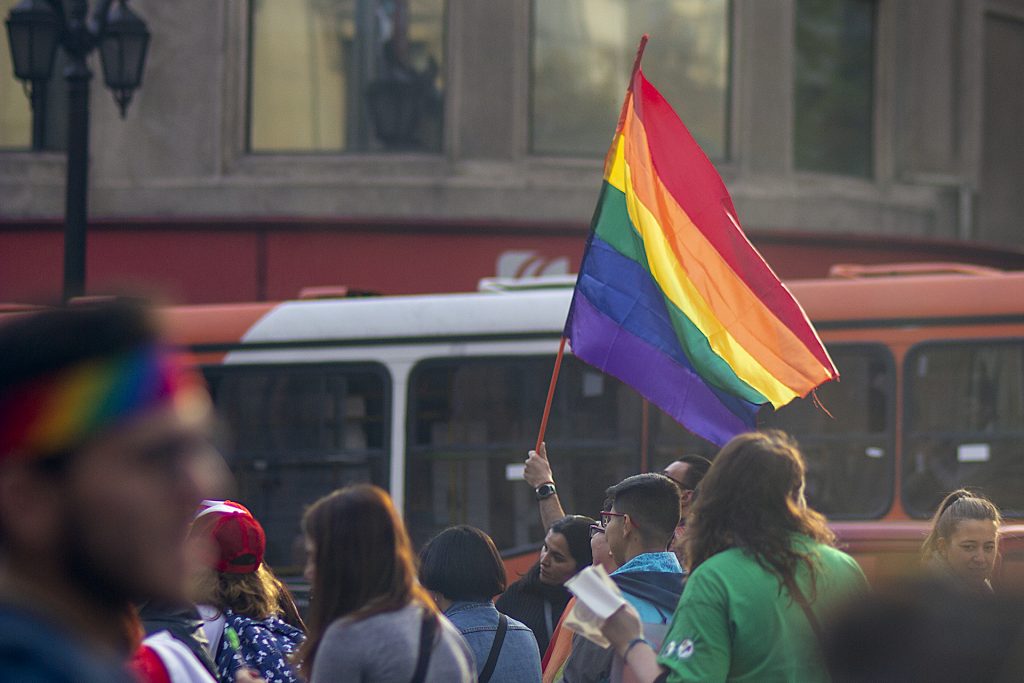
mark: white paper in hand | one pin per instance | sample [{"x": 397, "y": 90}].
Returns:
[{"x": 597, "y": 598}]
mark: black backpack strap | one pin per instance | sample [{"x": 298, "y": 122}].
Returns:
[
  {"x": 492, "y": 656},
  {"x": 427, "y": 631}
]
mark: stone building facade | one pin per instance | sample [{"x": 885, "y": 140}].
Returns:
[{"x": 937, "y": 151}]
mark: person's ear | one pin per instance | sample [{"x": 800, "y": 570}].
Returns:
[{"x": 942, "y": 547}]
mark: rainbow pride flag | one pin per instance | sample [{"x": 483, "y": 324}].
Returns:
[{"x": 672, "y": 298}]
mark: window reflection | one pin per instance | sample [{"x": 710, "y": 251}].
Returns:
[
  {"x": 471, "y": 419},
  {"x": 834, "y": 81},
  {"x": 849, "y": 455},
  {"x": 965, "y": 423},
  {"x": 581, "y": 56},
  {"x": 346, "y": 75},
  {"x": 299, "y": 433},
  {"x": 16, "y": 108}
]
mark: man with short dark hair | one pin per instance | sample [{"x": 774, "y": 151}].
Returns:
[
  {"x": 638, "y": 527},
  {"x": 687, "y": 472},
  {"x": 104, "y": 457}
]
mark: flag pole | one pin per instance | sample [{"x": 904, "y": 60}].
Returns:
[
  {"x": 639, "y": 56},
  {"x": 551, "y": 394},
  {"x": 561, "y": 344}
]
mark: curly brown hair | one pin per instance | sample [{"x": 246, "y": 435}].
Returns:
[
  {"x": 753, "y": 498},
  {"x": 256, "y": 595}
]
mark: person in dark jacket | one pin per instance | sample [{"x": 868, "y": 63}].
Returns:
[
  {"x": 540, "y": 596},
  {"x": 183, "y": 622},
  {"x": 639, "y": 526}
]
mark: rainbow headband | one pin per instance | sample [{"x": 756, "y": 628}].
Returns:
[{"x": 60, "y": 411}]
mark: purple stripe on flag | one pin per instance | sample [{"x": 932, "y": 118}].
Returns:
[{"x": 680, "y": 392}]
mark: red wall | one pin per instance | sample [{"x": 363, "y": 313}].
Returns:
[{"x": 247, "y": 260}]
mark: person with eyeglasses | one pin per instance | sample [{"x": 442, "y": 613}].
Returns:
[
  {"x": 763, "y": 573},
  {"x": 560, "y": 646},
  {"x": 638, "y": 526},
  {"x": 687, "y": 472}
]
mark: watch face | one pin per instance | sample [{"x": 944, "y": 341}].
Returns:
[{"x": 545, "y": 491}]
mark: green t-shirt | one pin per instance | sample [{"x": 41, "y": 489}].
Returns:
[{"x": 732, "y": 624}]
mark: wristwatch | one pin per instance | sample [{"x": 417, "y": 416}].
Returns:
[{"x": 545, "y": 491}]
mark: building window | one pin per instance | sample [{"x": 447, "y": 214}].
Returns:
[
  {"x": 346, "y": 75},
  {"x": 16, "y": 108},
  {"x": 582, "y": 52},
  {"x": 834, "y": 84}
]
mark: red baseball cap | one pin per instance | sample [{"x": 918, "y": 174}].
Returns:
[{"x": 240, "y": 539}]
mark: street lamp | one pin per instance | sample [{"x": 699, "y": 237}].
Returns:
[{"x": 34, "y": 29}]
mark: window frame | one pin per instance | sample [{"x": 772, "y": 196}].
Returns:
[
  {"x": 893, "y": 422},
  {"x": 368, "y": 367},
  {"x": 875, "y": 119},
  {"x": 729, "y": 129},
  {"x": 454, "y": 361},
  {"x": 487, "y": 452},
  {"x": 910, "y": 357},
  {"x": 246, "y": 149}
]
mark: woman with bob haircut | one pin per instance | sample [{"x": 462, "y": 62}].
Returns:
[
  {"x": 964, "y": 540},
  {"x": 540, "y": 596},
  {"x": 463, "y": 571},
  {"x": 762, "y": 572},
  {"x": 370, "y": 619}
]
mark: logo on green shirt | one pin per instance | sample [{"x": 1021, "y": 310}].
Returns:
[{"x": 682, "y": 650}]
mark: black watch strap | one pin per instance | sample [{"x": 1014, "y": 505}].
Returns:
[{"x": 545, "y": 491}]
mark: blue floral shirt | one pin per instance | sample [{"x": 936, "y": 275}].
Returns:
[{"x": 262, "y": 645}]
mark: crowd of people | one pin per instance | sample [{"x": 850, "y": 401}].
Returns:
[{"x": 118, "y": 562}]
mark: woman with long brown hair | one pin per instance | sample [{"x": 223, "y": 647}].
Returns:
[
  {"x": 370, "y": 619},
  {"x": 762, "y": 572}
]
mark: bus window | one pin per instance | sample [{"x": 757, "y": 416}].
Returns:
[
  {"x": 470, "y": 419},
  {"x": 298, "y": 433},
  {"x": 964, "y": 423},
  {"x": 849, "y": 458}
]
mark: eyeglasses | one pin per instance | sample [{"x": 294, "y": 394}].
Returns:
[
  {"x": 680, "y": 484},
  {"x": 606, "y": 515},
  {"x": 596, "y": 529}
]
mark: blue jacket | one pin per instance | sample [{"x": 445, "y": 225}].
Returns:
[
  {"x": 652, "y": 583},
  {"x": 519, "y": 661},
  {"x": 35, "y": 651}
]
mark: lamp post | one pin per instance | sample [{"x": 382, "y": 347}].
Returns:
[{"x": 35, "y": 28}]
